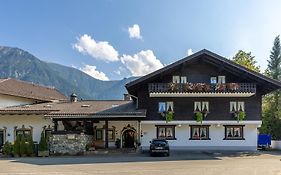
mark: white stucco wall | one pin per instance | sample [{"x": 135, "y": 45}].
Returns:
[
  {"x": 216, "y": 135},
  {"x": 276, "y": 144},
  {"x": 7, "y": 100},
  {"x": 36, "y": 121}
]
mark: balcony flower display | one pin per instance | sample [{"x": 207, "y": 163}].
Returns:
[
  {"x": 173, "y": 87},
  {"x": 233, "y": 86},
  {"x": 220, "y": 87}
]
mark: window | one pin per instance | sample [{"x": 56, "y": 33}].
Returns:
[
  {"x": 199, "y": 132},
  {"x": 213, "y": 80},
  {"x": 24, "y": 133},
  {"x": 234, "y": 132},
  {"x": 166, "y": 131},
  {"x": 165, "y": 106},
  {"x": 99, "y": 134},
  {"x": 237, "y": 106},
  {"x": 184, "y": 79},
  {"x": 176, "y": 79},
  {"x": 111, "y": 134},
  {"x": 201, "y": 106},
  {"x": 48, "y": 134},
  {"x": 221, "y": 79}
]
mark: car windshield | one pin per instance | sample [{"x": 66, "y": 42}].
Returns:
[{"x": 159, "y": 142}]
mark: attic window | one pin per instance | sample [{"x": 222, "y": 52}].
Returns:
[
  {"x": 85, "y": 106},
  {"x": 114, "y": 105}
]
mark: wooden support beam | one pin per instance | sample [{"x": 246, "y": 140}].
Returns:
[
  {"x": 106, "y": 134},
  {"x": 55, "y": 125}
]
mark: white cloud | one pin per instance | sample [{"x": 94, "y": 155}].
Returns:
[
  {"x": 134, "y": 31},
  {"x": 141, "y": 63},
  {"x": 189, "y": 52},
  {"x": 92, "y": 71},
  {"x": 101, "y": 50}
]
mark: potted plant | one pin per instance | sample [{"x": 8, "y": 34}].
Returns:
[
  {"x": 29, "y": 146},
  {"x": 199, "y": 117},
  {"x": 43, "y": 150},
  {"x": 241, "y": 116},
  {"x": 17, "y": 146},
  {"x": 169, "y": 116}
]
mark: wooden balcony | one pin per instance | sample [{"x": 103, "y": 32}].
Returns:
[{"x": 201, "y": 90}]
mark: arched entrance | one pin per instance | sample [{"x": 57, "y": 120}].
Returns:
[{"x": 128, "y": 138}]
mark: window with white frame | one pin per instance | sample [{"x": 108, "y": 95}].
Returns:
[
  {"x": 183, "y": 79},
  {"x": 176, "y": 79},
  {"x": 201, "y": 106},
  {"x": 165, "y": 106},
  {"x": 234, "y": 132},
  {"x": 237, "y": 106},
  {"x": 199, "y": 132},
  {"x": 166, "y": 131},
  {"x": 213, "y": 80},
  {"x": 221, "y": 79}
]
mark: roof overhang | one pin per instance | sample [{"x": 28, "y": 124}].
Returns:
[{"x": 201, "y": 94}]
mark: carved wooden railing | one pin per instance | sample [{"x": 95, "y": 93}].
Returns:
[{"x": 201, "y": 87}]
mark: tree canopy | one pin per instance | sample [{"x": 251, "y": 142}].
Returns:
[{"x": 247, "y": 60}]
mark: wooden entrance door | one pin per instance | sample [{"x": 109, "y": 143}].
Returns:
[
  {"x": 129, "y": 139},
  {"x": 1, "y": 139}
]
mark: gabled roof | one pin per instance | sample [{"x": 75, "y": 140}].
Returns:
[
  {"x": 18, "y": 88},
  {"x": 214, "y": 59},
  {"x": 80, "y": 109}
]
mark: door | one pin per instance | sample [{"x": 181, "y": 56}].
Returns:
[
  {"x": 129, "y": 139},
  {"x": 1, "y": 139}
]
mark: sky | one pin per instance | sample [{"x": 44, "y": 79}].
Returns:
[{"x": 110, "y": 39}]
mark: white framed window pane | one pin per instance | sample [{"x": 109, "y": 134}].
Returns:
[
  {"x": 162, "y": 107},
  {"x": 197, "y": 106},
  {"x": 233, "y": 107},
  {"x": 161, "y": 132},
  {"x": 237, "y": 132},
  {"x": 229, "y": 132},
  {"x": 183, "y": 79},
  {"x": 241, "y": 106},
  {"x": 169, "y": 132},
  {"x": 170, "y": 106},
  {"x": 213, "y": 80},
  {"x": 221, "y": 79},
  {"x": 195, "y": 133},
  {"x": 205, "y": 106},
  {"x": 176, "y": 79},
  {"x": 203, "y": 133}
]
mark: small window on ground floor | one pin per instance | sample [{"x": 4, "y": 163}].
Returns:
[
  {"x": 99, "y": 134},
  {"x": 199, "y": 132},
  {"x": 48, "y": 134},
  {"x": 234, "y": 132},
  {"x": 24, "y": 133},
  {"x": 111, "y": 134},
  {"x": 166, "y": 131}
]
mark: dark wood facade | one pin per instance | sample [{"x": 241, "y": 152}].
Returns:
[{"x": 200, "y": 70}]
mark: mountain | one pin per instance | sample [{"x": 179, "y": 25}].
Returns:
[{"x": 19, "y": 64}]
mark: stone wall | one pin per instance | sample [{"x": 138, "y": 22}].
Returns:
[{"x": 69, "y": 144}]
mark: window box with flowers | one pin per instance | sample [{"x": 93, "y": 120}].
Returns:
[{"x": 166, "y": 110}]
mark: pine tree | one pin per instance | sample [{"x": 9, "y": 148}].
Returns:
[
  {"x": 247, "y": 60},
  {"x": 274, "y": 68}
]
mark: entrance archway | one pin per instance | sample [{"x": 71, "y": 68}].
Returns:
[{"x": 128, "y": 138}]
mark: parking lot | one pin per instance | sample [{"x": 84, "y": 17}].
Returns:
[{"x": 178, "y": 163}]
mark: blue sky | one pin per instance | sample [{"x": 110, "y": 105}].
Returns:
[{"x": 93, "y": 35}]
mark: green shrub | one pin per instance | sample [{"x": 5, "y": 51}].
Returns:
[
  {"x": 22, "y": 146},
  {"x": 17, "y": 146},
  {"x": 8, "y": 149},
  {"x": 43, "y": 145},
  {"x": 29, "y": 146},
  {"x": 169, "y": 116}
]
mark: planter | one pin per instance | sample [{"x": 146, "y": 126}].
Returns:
[
  {"x": 43, "y": 153},
  {"x": 276, "y": 144}
]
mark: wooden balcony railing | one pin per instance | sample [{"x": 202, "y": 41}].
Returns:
[{"x": 202, "y": 88}]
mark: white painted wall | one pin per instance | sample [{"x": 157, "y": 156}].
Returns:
[
  {"x": 276, "y": 144},
  {"x": 216, "y": 135},
  {"x": 7, "y": 100},
  {"x": 36, "y": 121}
]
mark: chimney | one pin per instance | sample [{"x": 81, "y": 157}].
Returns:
[
  {"x": 127, "y": 97},
  {"x": 73, "y": 98}
]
